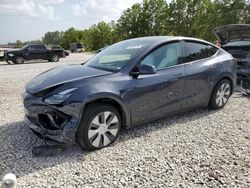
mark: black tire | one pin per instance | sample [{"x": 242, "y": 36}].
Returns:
[
  {"x": 54, "y": 58},
  {"x": 215, "y": 102},
  {"x": 92, "y": 112},
  {"x": 19, "y": 60}
]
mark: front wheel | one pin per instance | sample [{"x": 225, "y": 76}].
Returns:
[
  {"x": 19, "y": 60},
  {"x": 99, "y": 127},
  {"x": 220, "y": 95}
]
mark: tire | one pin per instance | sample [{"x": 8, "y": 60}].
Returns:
[
  {"x": 220, "y": 95},
  {"x": 19, "y": 60},
  {"x": 92, "y": 133},
  {"x": 54, "y": 58}
]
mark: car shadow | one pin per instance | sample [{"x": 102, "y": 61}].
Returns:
[{"x": 17, "y": 141}]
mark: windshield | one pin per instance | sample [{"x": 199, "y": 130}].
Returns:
[
  {"x": 118, "y": 55},
  {"x": 24, "y": 47},
  {"x": 239, "y": 43}
]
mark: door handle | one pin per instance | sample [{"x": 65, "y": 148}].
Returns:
[{"x": 172, "y": 94}]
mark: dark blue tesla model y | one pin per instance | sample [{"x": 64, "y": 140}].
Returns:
[{"x": 126, "y": 84}]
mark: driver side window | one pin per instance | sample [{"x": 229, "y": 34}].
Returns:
[
  {"x": 165, "y": 56},
  {"x": 31, "y": 48}
]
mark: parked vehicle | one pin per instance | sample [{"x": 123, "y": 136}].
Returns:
[
  {"x": 129, "y": 83},
  {"x": 1, "y": 55},
  {"x": 58, "y": 47},
  {"x": 235, "y": 39},
  {"x": 76, "y": 47},
  {"x": 33, "y": 51}
]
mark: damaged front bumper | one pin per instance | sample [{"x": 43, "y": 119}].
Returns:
[
  {"x": 56, "y": 124},
  {"x": 243, "y": 70}
]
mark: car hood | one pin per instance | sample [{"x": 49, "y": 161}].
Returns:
[
  {"x": 233, "y": 32},
  {"x": 13, "y": 50},
  {"x": 61, "y": 75}
]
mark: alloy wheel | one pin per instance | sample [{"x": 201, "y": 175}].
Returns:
[
  {"x": 55, "y": 58},
  {"x": 103, "y": 129},
  {"x": 19, "y": 60},
  {"x": 223, "y": 94}
]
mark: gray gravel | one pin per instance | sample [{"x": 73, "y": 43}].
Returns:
[{"x": 200, "y": 148}]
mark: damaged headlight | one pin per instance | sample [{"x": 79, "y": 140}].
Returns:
[{"x": 59, "y": 97}]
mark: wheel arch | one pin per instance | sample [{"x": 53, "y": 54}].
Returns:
[
  {"x": 218, "y": 81},
  {"x": 20, "y": 55},
  {"x": 227, "y": 78},
  {"x": 118, "y": 105}
]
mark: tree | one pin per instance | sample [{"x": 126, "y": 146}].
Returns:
[
  {"x": 52, "y": 38},
  {"x": 70, "y": 36},
  {"x": 19, "y": 43}
]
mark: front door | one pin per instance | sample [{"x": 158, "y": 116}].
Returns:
[{"x": 156, "y": 95}]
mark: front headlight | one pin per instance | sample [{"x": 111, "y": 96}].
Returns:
[
  {"x": 11, "y": 54},
  {"x": 59, "y": 97}
]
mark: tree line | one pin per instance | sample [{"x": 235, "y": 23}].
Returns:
[{"x": 191, "y": 18}]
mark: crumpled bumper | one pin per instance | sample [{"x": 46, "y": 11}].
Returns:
[
  {"x": 243, "y": 70},
  {"x": 53, "y": 123}
]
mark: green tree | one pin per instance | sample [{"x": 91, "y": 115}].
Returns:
[
  {"x": 19, "y": 43},
  {"x": 52, "y": 38},
  {"x": 70, "y": 36}
]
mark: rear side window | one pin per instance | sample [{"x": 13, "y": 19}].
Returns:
[
  {"x": 32, "y": 48},
  {"x": 196, "y": 51}
]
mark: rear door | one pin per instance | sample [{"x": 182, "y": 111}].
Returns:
[
  {"x": 41, "y": 52},
  {"x": 199, "y": 63}
]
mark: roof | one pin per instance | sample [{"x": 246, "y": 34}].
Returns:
[{"x": 161, "y": 39}]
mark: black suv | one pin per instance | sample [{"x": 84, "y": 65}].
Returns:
[
  {"x": 235, "y": 39},
  {"x": 34, "y": 51}
]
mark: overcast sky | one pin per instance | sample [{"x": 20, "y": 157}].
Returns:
[{"x": 31, "y": 19}]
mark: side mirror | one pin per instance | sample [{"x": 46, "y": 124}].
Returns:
[
  {"x": 147, "y": 69},
  {"x": 144, "y": 70}
]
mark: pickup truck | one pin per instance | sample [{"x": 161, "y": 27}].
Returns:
[{"x": 33, "y": 51}]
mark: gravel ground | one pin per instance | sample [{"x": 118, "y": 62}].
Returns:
[{"x": 200, "y": 148}]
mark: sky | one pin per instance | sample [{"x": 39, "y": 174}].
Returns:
[{"x": 30, "y": 19}]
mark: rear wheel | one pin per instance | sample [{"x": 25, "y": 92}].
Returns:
[
  {"x": 19, "y": 60},
  {"x": 54, "y": 58},
  {"x": 99, "y": 127},
  {"x": 220, "y": 95}
]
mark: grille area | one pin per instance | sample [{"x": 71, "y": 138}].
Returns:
[{"x": 51, "y": 120}]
